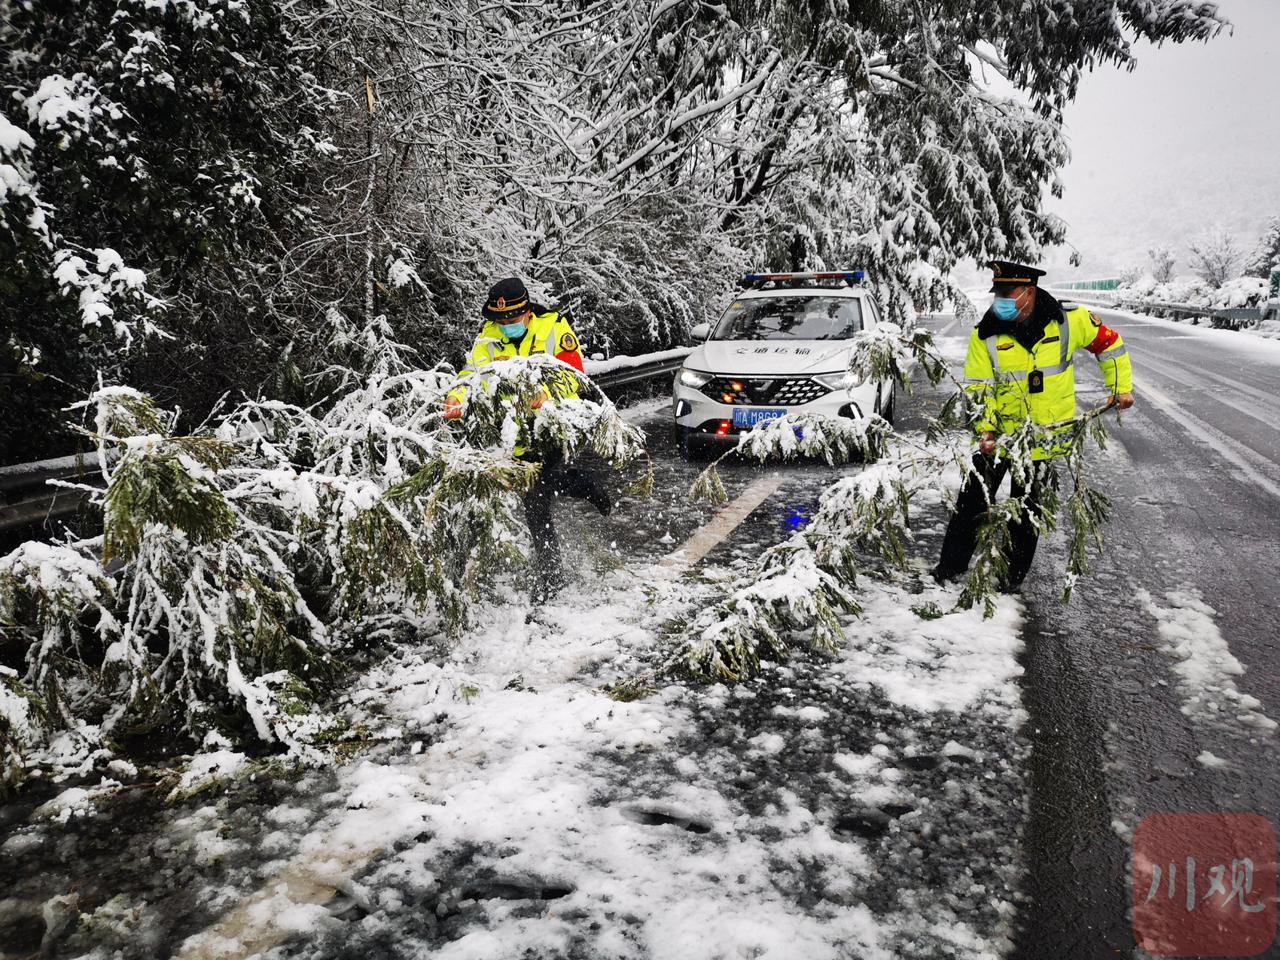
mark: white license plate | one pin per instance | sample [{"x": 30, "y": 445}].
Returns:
[{"x": 750, "y": 416}]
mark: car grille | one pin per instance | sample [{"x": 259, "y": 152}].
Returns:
[{"x": 764, "y": 391}]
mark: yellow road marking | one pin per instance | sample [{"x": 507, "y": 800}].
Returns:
[
  {"x": 707, "y": 537},
  {"x": 251, "y": 927}
]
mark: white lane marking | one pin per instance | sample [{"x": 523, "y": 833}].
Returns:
[
  {"x": 1176, "y": 367},
  {"x": 705, "y": 539},
  {"x": 1267, "y": 418},
  {"x": 1237, "y": 454}
]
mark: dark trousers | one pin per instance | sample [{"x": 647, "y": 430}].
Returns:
[
  {"x": 971, "y": 508},
  {"x": 556, "y": 479}
]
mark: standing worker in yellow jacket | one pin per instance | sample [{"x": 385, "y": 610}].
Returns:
[
  {"x": 516, "y": 327},
  {"x": 1019, "y": 367}
]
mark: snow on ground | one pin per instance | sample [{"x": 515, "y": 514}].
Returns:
[
  {"x": 796, "y": 815},
  {"x": 645, "y": 409},
  {"x": 1207, "y": 759},
  {"x": 826, "y": 809},
  {"x": 958, "y": 662},
  {"x": 1203, "y": 663}
]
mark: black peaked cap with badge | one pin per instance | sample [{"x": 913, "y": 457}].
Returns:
[
  {"x": 1006, "y": 273},
  {"x": 507, "y": 299}
]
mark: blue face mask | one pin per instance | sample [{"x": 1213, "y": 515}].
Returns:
[
  {"x": 512, "y": 331},
  {"x": 1005, "y": 308}
]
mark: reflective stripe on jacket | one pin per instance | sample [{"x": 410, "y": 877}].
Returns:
[{"x": 997, "y": 369}]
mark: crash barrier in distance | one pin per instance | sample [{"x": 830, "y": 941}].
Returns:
[
  {"x": 30, "y": 496},
  {"x": 1229, "y": 318}
]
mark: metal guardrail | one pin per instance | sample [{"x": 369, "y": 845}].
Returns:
[
  {"x": 1228, "y": 318},
  {"x": 27, "y": 500},
  {"x": 1223, "y": 318},
  {"x": 1237, "y": 318},
  {"x": 641, "y": 371}
]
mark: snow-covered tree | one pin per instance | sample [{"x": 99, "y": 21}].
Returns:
[
  {"x": 1162, "y": 263},
  {"x": 1215, "y": 256},
  {"x": 237, "y": 561},
  {"x": 258, "y": 178},
  {"x": 1266, "y": 254},
  {"x": 150, "y": 151},
  {"x": 629, "y": 170}
]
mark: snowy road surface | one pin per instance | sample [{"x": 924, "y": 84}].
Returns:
[{"x": 943, "y": 788}]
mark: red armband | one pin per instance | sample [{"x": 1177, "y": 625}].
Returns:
[
  {"x": 1105, "y": 338},
  {"x": 573, "y": 358}
]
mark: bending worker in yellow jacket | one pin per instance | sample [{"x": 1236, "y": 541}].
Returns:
[
  {"x": 516, "y": 327},
  {"x": 1019, "y": 367}
]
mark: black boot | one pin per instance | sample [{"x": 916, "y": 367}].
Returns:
[
  {"x": 586, "y": 485},
  {"x": 942, "y": 577},
  {"x": 547, "y": 585},
  {"x": 599, "y": 497}
]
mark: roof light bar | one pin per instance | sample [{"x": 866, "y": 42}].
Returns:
[{"x": 850, "y": 276}]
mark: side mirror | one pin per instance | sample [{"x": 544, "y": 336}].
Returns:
[{"x": 700, "y": 332}]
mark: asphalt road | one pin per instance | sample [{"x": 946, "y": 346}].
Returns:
[{"x": 1194, "y": 474}]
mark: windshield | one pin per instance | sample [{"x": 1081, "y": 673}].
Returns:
[{"x": 790, "y": 318}]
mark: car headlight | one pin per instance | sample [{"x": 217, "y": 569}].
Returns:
[
  {"x": 845, "y": 380},
  {"x": 693, "y": 378}
]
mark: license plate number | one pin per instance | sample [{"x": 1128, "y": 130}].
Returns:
[{"x": 750, "y": 416}]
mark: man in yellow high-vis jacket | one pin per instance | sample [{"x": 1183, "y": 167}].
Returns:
[
  {"x": 517, "y": 327},
  {"x": 1019, "y": 367}
]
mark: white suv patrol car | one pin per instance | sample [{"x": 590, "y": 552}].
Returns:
[{"x": 781, "y": 347}]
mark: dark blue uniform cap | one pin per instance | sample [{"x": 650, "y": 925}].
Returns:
[
  {"x": 507, "y": 298},
  {"x": 1008, "y": 273}
]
